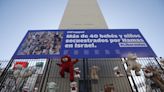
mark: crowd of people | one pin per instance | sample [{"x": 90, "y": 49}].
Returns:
[{"x": 38, "y": 43}]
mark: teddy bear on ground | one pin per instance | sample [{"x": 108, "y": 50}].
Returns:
[
  {"x": 132, "y": 64},
  {"x": 67, "y": 65}
]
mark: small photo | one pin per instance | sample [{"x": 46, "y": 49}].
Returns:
[{"x": 41, "y": 43}]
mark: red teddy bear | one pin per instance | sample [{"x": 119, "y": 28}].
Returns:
[{"x": 67, "y": 66}]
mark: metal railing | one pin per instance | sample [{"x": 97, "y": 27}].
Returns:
[{"x": 50, "y": 73}]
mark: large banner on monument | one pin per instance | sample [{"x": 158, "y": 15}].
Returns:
[{"x": 97, "y": 43}]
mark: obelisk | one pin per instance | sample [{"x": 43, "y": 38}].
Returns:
[{"x": 83, "y": 14}]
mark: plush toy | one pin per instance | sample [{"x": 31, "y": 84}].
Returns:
[
  {"x": 67, "y": 65},
  {"x": 117, "y": 71},
  {"x": 21, "y": 74},
  {"x": 94, "y": 72},
  {"x": 162, "y": 61},
  {"x": 17, "y": 69},
  {"x": 35, "y": 89},
  {"x": 52, "y": 87},
  {"x": 148, "y": 82},
  {"x": 132, "y": 64},
  {"x": 77, "y": 72},
  {"x": 74, "y": 87},
  {"x": 108, "y": 88},
  {"x": 154, "y": 74}
]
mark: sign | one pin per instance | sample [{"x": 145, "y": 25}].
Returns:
[{"x": 97, "y": 43}]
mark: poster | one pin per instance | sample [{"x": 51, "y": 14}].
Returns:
[{"x": 95, "y": 43}]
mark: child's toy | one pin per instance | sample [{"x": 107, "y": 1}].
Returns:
[
  {"x": 94, "y": 72},
  {"x": 117, "y": 72},
  {"x": 108, "y": 88},
  {"x": 52, "y": 87},
  {"x": 162, "y": 61},
  {"x": 74, "y": 87},
  {"x": 67, "y": 65},
  {"x": 132, "y": 64},
  {"x": 39, "y": 64},
  {"x": 21, "y": 74},
  {"x": 23, "y": 64},
  {"x": 77, "y": 72},
  {"x": 154, "y": 74}
]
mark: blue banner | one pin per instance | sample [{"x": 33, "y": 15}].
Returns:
[{"x": 97, "y": 43}]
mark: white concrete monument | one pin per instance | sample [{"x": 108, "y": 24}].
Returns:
[{"x": 83, "y": 14}]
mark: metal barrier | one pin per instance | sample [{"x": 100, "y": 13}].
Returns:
[
  {"x": 11, "y": 83},
  {"x": 138, "y": 83},
  {"x": 86, "y": 83}
]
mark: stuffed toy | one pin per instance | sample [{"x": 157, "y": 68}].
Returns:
[
  {"x": 148, "y": 82},
  {"x": 109, "y": 88},
  {"x": 117, "y": 71},
  {"x": 154, "y": 74},
  {"x": 77, "y": 72},
  {"x": 67, "y": 65},
  {"x": 94, "y": 72},
  {"x": 132, "y": 64},
  {"x": 21, "y": 74},
  {"x": 162, "y": 61},
  {"x": 35, "y": 89},
  {"x": 39, "y": 64},
  {"x": 52, "y": 87},
  {"x": 74, "y": 87},
  {"x": 23, "y": 64}
]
